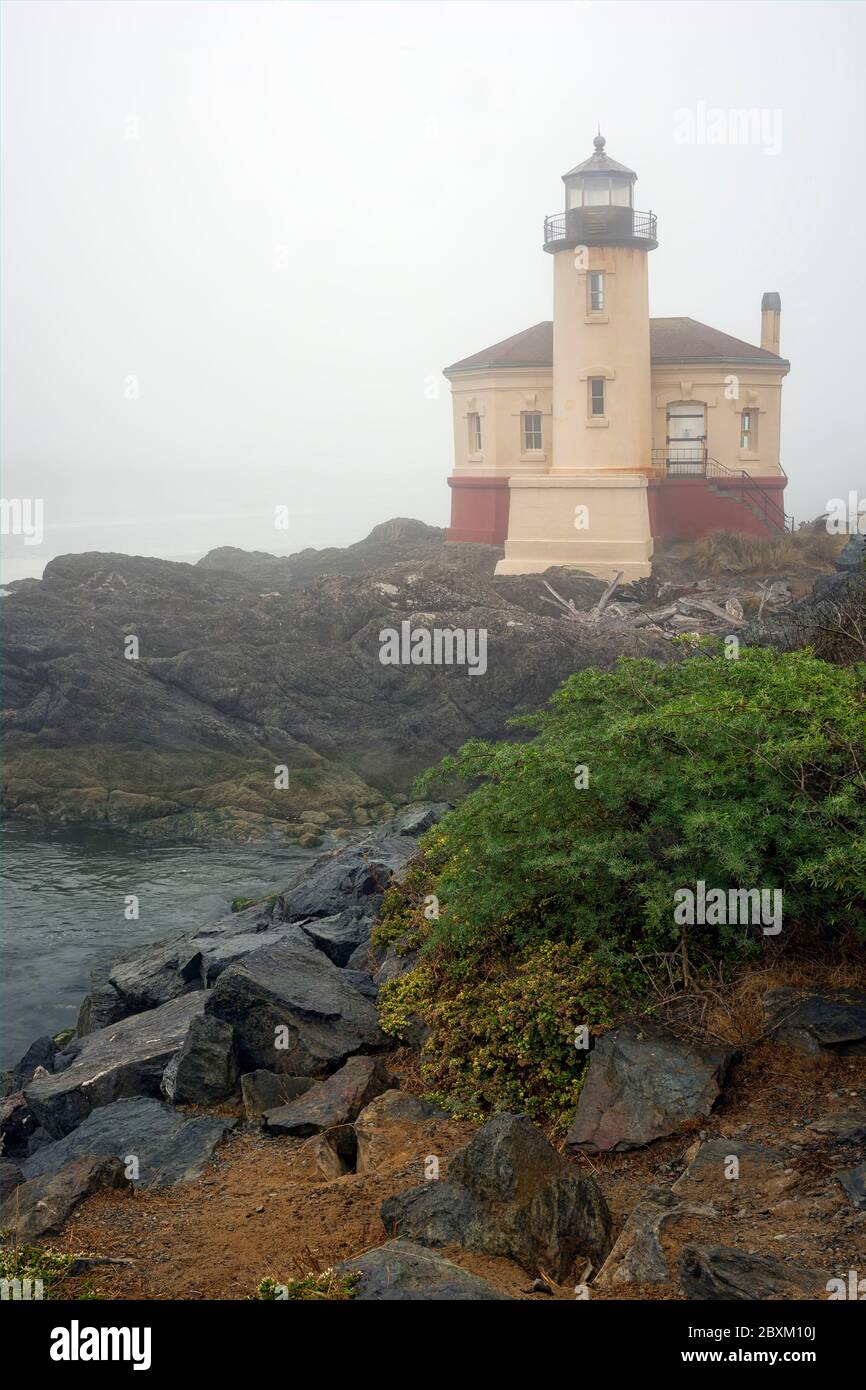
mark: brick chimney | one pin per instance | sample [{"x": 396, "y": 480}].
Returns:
[{"x": 771, "y": 313}]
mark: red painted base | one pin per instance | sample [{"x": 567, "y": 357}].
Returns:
[
  {"x": 684, "y": 508},
  {"x": 479, "y": 510}
]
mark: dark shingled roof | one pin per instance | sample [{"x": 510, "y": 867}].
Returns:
[
  {"x": 600, "y": 163},
  {"x": 671, "y": 340}
]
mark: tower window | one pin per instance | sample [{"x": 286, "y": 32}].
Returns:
[
  {"x": 749, "y": 430},
  {"x": 596, "y": 395},
  {"x": 531, "y": 423},
  {"x": 474, "y": 432},
  {"x": 595, "y": 291}
]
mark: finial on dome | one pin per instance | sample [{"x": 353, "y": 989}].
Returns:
[{"x": 598, "y": 142}]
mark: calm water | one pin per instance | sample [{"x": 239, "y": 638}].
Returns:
[{"x": 63, "y": 911}]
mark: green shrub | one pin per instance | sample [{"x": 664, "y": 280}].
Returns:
[
  {"x": 329, "y": 1287},
  {"x": 743, "y": 773}
]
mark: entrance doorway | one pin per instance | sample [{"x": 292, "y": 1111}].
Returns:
[{"x": 686, "y": 437}]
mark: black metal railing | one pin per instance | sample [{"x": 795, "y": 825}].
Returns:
[
  {"x": 692, "y": 460},
  {"x": 597, "y": 224}
]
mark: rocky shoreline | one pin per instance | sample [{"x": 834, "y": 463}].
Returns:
[{"x": 265, "y": 1022}]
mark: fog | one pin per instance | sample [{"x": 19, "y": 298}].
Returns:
[{"x": 241, "y": 240}]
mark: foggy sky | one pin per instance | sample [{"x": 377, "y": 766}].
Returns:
[{"x": 283, "y": 220}]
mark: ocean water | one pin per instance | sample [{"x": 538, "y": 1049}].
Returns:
[{"x": 63, "y": 903}]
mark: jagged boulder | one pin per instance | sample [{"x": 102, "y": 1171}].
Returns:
[
  {"x": 205, "y": 1071},
  {"x": 638, "y": 1256},
  {"x": 41, "y": 1206},
  {"x": 293, "y": 1010},
  {"x": 335, "y": 1101},
  {"x": 403, "y": 1271},
  {"x": 341, "y": 935},
  {"x": 265, "y": 1090},
  {"x": 816, "y": 1022},
  {"x": 395, "y": 1129},
  {"x": 853, "y": 1184},
  {"x": 508, "y": 1192},
  {"x": 10, "y": 1177},
  {"x": 168, "y": 1147},
  {"x": 643, "y": 1084},
  {"x": 126, "y": 1059},
  {"x": 721, "y": 1272},
  {"x": 357, "y": 876}
]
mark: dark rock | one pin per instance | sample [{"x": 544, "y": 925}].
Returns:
[
  {"x": 18, "y": 1124},
  {"x": 293, "y": 987},
  {"x": 643, "y": 1083},
  {"x": 853, "y": 1184},
  {"x": 153, "y": 976},
  {"x": 638, "y": 1256},
  {"x": 360, "y": 958},
  {"x": 356, "y": 876},
  {"x": 339, "y": 936},
  {"x": 99, "y": 1009},
  {"x": 509, "y": 1193},
  {"x": 720, "y": 1272},
  {"x": 761, "y": 1171},
  {"x": 41, "y": 1206},
  {"x": 264, "y": 1090},
  {"x": 395, "y": 964},
  {"x": 847, "y": 1127},
  {"x": 170, "y": 1147},
  {"x": 127, "y": 1059},
  {"x": 334, "y": 1101},
  {"x": 394, "y": 1129},
  {"x": 205, "y": 1070},
  {"x": 363, "y": 982},
  {"x": 418, "y": 817},
  {"x": 404, "y": 1272},
  {"x": 833, "y": 1020},
  {"x": 10, "y": 1176},
  {"x": 40, "y": 1053}
]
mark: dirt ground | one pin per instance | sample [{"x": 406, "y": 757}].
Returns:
[{"x": 260, "y": 1210}]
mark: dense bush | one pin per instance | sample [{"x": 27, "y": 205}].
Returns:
[{"x": 745, "y": 773}]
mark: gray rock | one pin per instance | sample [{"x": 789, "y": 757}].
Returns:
[
  {"x": 417, "y": 817},
  {"x": 404, "y": 1272},
  {"x": 41, "y": 1206},
  {"x": 341, "y": 935},
  {"x": 509, "y": 1193},
  {"x": 394, "y": 965},
  {"x": 10, "y": 1176},
  {"x": 363, "y": 982},
  {"x": 18, "y": 1124},
  {"x": 127, "y": 1059},
  {"x": 638, "y": 1256},
  {"x": 40, "y": 1053},
  {"x": 293, "y": 987},
  {"x": 643, "y": 1084},
  {"x": 847, "y": 1127},
  {"x": 335, "y": 1101},
  {"x": 853, "y": 1184},
  {"x": 761, "y": 1169},
  {"x": 99, "y": 1009},
  {"x": 355, "y": 876},
  {"x": 834, "y": 1020},
  {"x": 205, "y": 1071},
  {"x": 394, "y": 1129},
  {"x": 160, "y": 973},
  {"x": 721, "y": 1272},
  {"x": 265, "y": 1090},
  {"x": 170, "y": 1147}
]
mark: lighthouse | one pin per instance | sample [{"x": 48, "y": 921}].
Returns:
[
  {"x": 590, "y": 509},
  {"x": 578, "y": 440}
]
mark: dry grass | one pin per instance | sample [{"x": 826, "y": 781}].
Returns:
[{"x": 723, "y": 553}]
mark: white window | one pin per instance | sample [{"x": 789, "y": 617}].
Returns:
[
  {"x": 531, "y": 429},
  {"x": 474, "y": 432},
  {"x": 596, "y": 395},
  {"x": 749, "y": 430},
  {"x": 595, "y": 291}
]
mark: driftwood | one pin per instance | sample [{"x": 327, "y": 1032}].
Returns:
[
  {"x": 575, "y": 614},
  {"x": 699, "y": 610}
]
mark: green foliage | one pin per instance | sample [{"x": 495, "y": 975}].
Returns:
[
  {"x": 744, "y": 773},
  {"x": 31, "y": 1262},
  {"x": 504, "y": 1035},
  {"x": 331, "y": 1287}
]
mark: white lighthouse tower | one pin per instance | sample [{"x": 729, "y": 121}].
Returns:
[{"x": 590, "y": 508}]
